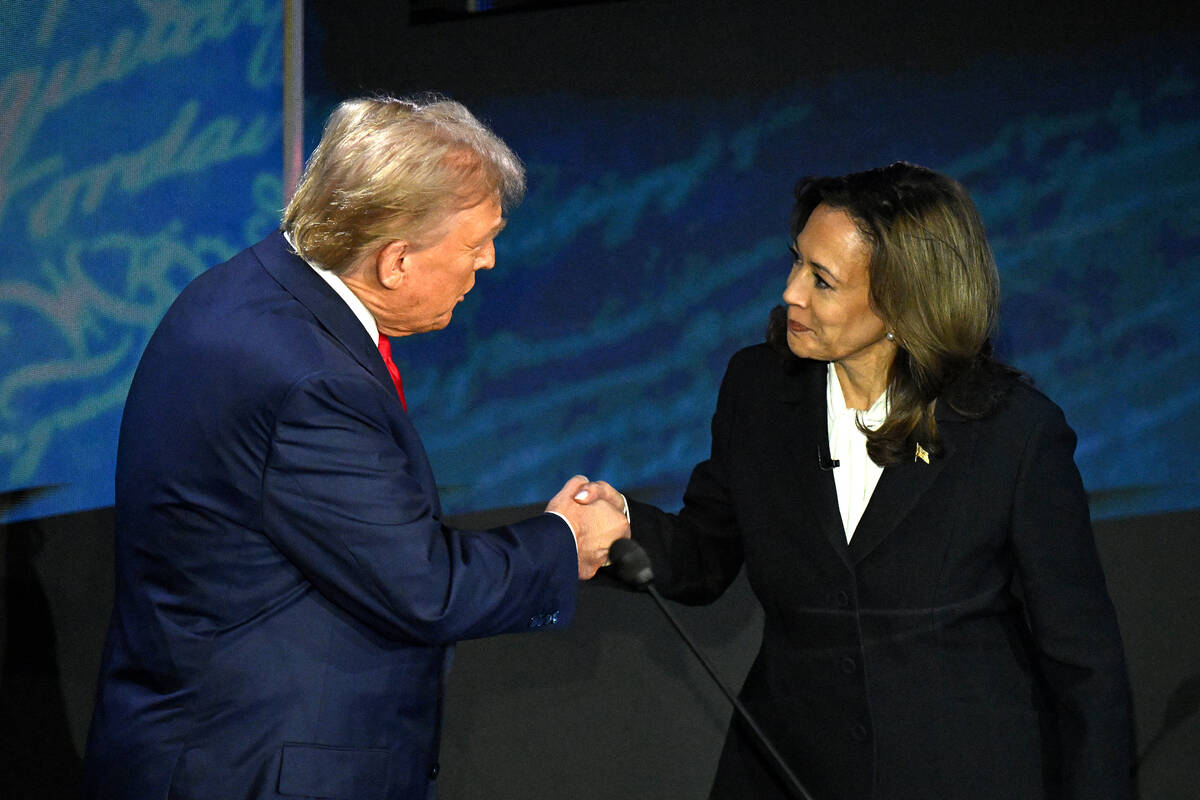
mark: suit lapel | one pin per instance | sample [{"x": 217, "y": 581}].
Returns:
[
  {"x": 902, "y": 485},
  {"x": 299, "y": 279},
  {"x": 806, "y": 434}
]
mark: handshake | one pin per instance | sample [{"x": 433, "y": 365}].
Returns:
[{"x": 597, "y": 513}]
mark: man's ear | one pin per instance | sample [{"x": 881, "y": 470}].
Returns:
[{"x": 392, "y": 263}]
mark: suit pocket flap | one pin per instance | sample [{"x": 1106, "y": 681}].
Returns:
[{"x": 338, "y": 773}]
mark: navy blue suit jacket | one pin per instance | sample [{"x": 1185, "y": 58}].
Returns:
[{"x": 287, "y": 596}]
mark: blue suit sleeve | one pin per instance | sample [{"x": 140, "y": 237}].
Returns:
[{"x": 355, "y": 513}]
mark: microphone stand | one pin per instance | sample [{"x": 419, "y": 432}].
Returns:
[{"x": 793, "y": 783}]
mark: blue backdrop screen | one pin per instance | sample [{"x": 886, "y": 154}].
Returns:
[
  {"x": 139, "y": 144},
  {"x": 654, "y": 242}
]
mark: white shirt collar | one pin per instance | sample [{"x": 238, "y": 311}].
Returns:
[
  {"x": 343, "y": 291},
  {"x": 835, "y": 402}
]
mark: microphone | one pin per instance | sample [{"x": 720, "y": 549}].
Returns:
[
  {"x": 632, "y": 563},
  {"x": 633, "y": 567},
  {"x": 824, "y": 460}
]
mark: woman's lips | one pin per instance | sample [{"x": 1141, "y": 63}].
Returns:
[{"x": 796, "y": 327}]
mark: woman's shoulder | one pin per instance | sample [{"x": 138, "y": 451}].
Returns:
[
  {"x": 761, "y": 374},
  {"x": 1017, "y": 403},
  {"x": 766, "y": 358},
  {"x": 1026, "y": 400}
]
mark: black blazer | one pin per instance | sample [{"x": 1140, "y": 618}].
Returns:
[{"x": 963, "y": 645}]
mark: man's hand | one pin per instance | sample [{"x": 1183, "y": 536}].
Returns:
[
  {"x": 597, "y": 524},
  {"x": 595, "y": 491}
]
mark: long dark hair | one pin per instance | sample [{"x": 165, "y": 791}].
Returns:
[{"x": 933, "y": 282}]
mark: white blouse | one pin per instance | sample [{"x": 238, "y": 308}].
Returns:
[{"x": 856, "y": 474}]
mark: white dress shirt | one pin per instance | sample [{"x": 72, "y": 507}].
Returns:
[
  {"x": 856, "y": 474},
  {"x": 343, "y": 291}
]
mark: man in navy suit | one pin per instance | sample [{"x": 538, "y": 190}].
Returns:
[{"x": 287, "y": 595}]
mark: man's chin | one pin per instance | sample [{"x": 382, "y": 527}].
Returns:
[{"x": 441, "y": 322}]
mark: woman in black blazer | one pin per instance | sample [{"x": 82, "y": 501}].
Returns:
[{"x": 910, "y": 518}]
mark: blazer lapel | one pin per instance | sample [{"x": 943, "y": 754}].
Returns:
[
  {"x": 299, "y": 279},
  {"x": 806, "y": 433},
  {"x": 334, "y": 316},
  {"x": 902, "y": 485}
]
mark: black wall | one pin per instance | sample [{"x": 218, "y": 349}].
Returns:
[{"x": 700, "y": 48}]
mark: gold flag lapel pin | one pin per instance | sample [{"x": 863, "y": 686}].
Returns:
[{"x": 922, "y": 454}]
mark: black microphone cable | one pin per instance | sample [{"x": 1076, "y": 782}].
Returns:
[{"x": 633, "y": 567}]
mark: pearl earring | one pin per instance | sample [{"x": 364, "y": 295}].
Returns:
[{"x": 891, "y": 337}]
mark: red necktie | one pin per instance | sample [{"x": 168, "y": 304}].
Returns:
[{"x": 385, "y": 350}]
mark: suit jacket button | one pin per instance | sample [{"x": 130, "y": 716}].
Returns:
[
  {"x": 434, "y": 770},
  {"x": 848, "y": 665},
  {"x": 859, "y": 732},
  {"x": 843, "y": 599}
]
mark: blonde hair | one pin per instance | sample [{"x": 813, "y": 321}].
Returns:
[{"x": 389, "y": 168}]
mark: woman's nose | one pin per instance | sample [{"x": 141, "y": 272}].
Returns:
[{"x": 794, "y": 293}]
